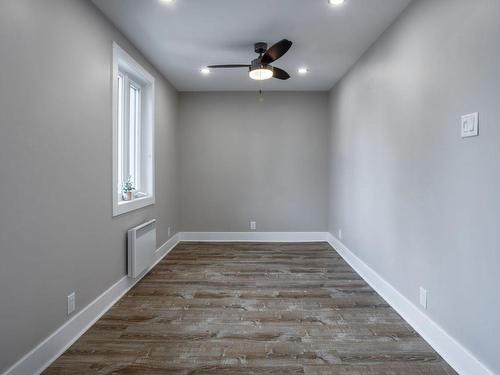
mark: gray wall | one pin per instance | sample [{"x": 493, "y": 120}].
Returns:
[
  {"x": 417, "y": 203},
  {"x": 241, "y": 159},
  {"x": 56, "y": 230}
]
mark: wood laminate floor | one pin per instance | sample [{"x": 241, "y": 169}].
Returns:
[{"x": 251, "y": 308}]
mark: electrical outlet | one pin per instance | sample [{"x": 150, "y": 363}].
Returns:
[
  {"x": 340, "y": 234},
  {"x": 253, "y": 225},
  {"x": 71, "y": 303},
  {"x": 168, "y": 231},
  {"x": 423, "y": 297}
]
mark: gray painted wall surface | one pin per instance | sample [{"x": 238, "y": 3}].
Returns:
[
  {"x": 417, "y": 203},
  {"x": 241, "y": 159},
  {"x": 56, "y": 230}
]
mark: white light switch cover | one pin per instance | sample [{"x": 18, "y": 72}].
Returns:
[{"x": 470, "y": 125}]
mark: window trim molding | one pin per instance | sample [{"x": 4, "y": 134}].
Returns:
[{"x": 122, "y": 58}]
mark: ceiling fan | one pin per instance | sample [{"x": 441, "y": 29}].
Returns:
[{"x": 260, "y": 68}]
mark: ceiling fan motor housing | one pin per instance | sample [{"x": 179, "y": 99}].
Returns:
[
  {"x": 257, "y": 64},
  {"x": 260, "y": 47}
]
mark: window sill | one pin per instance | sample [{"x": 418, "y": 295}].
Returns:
[{"x": 123, "y": 207}]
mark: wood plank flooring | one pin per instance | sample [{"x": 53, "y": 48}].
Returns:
[{"x": 251, "y": 308}]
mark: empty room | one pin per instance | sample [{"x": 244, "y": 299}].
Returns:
[{"x": 217, "y": 187}]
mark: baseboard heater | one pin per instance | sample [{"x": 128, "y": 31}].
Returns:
[{"x": 141, "y": 248}]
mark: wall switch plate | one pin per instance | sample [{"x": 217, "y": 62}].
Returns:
[
  {"x": 470, "y": 125},
  {"x": 168, "y": 231},
  {"x": 71, "y": 303},
  {"x": 340, "y": 234},
  {"x": 423, "y": 297},
  {"x": 253, "y": 225}
]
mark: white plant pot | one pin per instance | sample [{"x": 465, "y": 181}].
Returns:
[{"x": 128, "y": 196}]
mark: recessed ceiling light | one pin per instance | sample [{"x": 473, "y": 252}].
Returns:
[
  {"x": 303, "y": 70},
  {"x": 167, "y": 1},
  {"x": 205, "y": 71},
  {"x": 336, "y": 2}
]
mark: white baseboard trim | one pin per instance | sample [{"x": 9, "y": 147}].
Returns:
[
  {"x": 253, "y": 236},
  {"x": 452, "y": 351},
  {"x": 38, "y": 359}
]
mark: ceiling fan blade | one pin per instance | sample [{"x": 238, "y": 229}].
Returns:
[
  {"x": 228, "y": 66},
  {"x": 280, "y": 74},
  {"x": 276, "y": 51}
]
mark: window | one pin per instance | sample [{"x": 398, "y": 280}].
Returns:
[{"x": 133, "y": 134}]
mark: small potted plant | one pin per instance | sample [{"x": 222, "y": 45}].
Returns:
[{"x": 127, "y": 189}]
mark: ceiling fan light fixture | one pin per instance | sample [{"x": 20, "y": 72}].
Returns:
[
  {"x": 261, "y": 74},
  {"x": 259, "y": 71}
]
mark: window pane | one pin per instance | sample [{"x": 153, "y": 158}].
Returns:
[
  {"x": 121, "y": 126},
  {"x": 134, "y": 136}
]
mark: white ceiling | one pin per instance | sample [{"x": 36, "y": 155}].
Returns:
[{"x": 186, "y": 35}]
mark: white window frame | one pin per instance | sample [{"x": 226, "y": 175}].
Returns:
[{"x": 123, "y": 62}]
